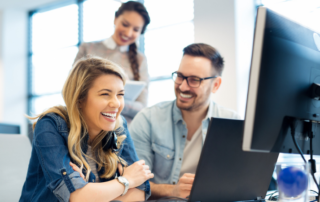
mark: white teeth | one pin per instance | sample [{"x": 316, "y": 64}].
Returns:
[
  {"x": 124, "y": 38},
  {"x": 185, "y": 95},
  {"x": 110, "y": 115}
]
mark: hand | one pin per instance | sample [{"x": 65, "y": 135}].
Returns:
[
  {"x": 183, "y": 188},
  {"x": 77, "y": 169},
  {"x": 137, "y": 173}
]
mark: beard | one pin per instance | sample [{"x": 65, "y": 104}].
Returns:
[{"x": 197, "y": 103}]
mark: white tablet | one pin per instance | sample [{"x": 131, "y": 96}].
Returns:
[{"x": 133, "y": 89}]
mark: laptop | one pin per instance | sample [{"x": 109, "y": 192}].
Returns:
[
  {"x": 15, "y": 153},
  {"x": 226, "y": 173}
]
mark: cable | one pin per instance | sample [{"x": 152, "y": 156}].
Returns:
[
  {"x": 311, "y": 160},
  {"x": 273, "y": 198},
  {"x": 271, "y": 193},
  {"x": 313, "y": 191},
  {"x": 295, "y": 142},
  {"x": 317, "y": 197}
]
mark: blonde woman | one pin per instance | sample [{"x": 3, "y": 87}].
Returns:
[{"x": 83, "y": 151}]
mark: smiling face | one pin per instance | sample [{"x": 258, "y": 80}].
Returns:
[
  {"x": 191, "y": 99},
  {"x": 128, "y": 27},
  {"x": 103, "y": 104}
]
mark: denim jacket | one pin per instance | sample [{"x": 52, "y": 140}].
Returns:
[
  {"x": 161, "y": 133},
  {"x": 50, "y": 177}
]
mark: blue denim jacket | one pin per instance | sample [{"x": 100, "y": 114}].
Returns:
[
  {"x": 50, "y": 177},
  {"x": 161, "y": 132}
]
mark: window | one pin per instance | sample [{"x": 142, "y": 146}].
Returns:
[
  {"x": 57, "y": 32},
  {"x": 54, "y": 39},
  {"x": 98, "y": 17},
  {"x": 304, "y": 12},
  {"x": 171, "y": 29}
]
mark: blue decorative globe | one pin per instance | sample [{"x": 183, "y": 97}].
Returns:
[{"x": 292, "y": 181}]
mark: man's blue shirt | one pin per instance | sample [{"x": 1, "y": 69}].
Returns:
[{"x": 159, "y": 134}]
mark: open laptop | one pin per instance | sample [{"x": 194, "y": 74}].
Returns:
[
  {"x": 15, "y": 153},
  {"x": 226, "y": 173}
]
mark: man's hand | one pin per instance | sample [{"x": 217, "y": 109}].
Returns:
[{"x": 183, "y": 188}]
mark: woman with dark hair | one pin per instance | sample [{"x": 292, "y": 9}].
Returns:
[{"x": 131, "y": 20}]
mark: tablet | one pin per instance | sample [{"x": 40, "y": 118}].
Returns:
[{"x": 133, "y": 89}]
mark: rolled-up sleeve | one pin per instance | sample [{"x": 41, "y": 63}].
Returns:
[
  {"x": 52, "y": 151},
  {"x": 129, "y": 154}
]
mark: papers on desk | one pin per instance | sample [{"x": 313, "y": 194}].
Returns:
[{"x": 133, "y": 89}]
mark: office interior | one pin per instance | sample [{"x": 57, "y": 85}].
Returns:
[{"x": 30, "y": 39}]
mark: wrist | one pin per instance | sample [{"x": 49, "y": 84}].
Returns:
[
  {"x": 173, "y": 190},
  {"x": 131, "y": 183}
]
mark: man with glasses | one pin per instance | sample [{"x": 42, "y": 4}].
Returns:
[{"x": 169, "y": 136}]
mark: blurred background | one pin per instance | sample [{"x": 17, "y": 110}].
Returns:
[{"x": 39, "y": 40}]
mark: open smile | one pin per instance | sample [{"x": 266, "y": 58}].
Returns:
[
  {"x": 109, "y": 116},
  {"x": 124, "y": 38},
  {"x": 185, "y": 96}
]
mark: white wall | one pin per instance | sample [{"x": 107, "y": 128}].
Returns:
[
  {"x": 13, "y": 67},
  {"x": 1, "y": 68},
  {"x": 228, "y": 26}
]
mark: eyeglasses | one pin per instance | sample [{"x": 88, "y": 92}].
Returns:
[{"x": 192, "y": 81}]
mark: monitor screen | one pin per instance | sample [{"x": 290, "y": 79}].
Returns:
[{"x": 285, "y": 63}]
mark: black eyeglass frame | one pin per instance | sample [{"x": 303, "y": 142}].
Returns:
[{"x": 186, "y": 78}]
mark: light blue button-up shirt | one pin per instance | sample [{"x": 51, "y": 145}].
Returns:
[{"x": 159, "y": 134}]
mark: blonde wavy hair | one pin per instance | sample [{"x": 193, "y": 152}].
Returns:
[{"x": 75, "y": 90}]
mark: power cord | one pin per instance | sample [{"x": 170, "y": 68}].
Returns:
[
  {"x": 272, "y": 197},
  {"x": 293, "y": 129},
  {"x": 311, "y": 160}
]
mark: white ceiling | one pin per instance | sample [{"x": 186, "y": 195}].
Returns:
[{"x": 25, "y": 4}]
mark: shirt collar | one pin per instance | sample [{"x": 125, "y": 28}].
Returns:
[
  {"x": 111, "y": 44},
  {"x": 177, "y": 116},
  {"x": 209, "y": 113}
]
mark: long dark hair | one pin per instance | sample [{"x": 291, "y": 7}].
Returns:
[{"x": 133, "y": 52}]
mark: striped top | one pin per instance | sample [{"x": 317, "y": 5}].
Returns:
[{"x": 92, "y": 163}]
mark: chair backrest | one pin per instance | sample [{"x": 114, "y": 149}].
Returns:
[
  {"x": 15, "y": 153},
  {"x": 9, "y": 128}
]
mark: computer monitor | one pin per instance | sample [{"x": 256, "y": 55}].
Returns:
[{"x": 285, "y": 63}]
